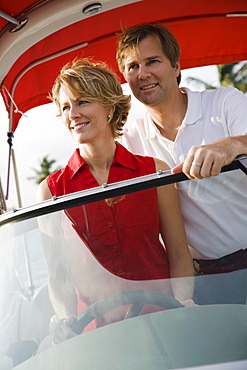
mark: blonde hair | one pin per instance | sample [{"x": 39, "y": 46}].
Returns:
[{"x": 94, "y": 81}]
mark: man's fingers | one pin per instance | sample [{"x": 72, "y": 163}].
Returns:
[
  {"x": 202, "y": 162},
  {"x": 178, "y": 168}
]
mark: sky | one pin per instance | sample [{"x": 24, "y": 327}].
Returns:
[{"x": 40, "y": 133}]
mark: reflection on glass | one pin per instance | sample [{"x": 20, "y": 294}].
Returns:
[{"x": 62, "y": 263}]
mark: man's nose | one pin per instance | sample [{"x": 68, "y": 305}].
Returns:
[{"x": 143, "y": 72}]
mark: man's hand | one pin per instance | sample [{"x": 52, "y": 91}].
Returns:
[{"x": 207, "y": 160}]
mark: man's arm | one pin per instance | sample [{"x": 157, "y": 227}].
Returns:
[{"x": 207, "y": 160}]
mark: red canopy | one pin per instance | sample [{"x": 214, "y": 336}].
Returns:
[{"x": 209, "y": 32}]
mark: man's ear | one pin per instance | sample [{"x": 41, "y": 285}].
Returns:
[{"x": 177, "y": 68}]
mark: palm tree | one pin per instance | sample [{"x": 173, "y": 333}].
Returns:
[
  {"x": 234, "y": 74},
  {"x": 45, "y": 170}
]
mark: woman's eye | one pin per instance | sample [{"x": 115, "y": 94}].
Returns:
[
  {"x": 65, "y": 107},
  {"x": 82, "y": 102}
]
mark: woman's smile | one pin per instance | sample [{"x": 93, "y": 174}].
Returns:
[{"x": 78, "y": 126}]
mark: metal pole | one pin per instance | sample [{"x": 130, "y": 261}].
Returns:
[
  {"x": 25, "y": 244},
  {"x": 17, "y": 184},
  {"x": 2, "y": 200},
  {"x": 9, "y": 18}
]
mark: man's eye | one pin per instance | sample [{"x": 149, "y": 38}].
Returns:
[
  {"x": 82, "y": 102},
  {"x": 153, "y": 61},
  {"x": 133, "y": 66}
]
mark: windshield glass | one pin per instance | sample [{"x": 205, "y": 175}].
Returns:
[{"x": 70, "y": 267}]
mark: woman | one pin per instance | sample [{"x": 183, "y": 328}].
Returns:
[{"x": 122, "y": 233}]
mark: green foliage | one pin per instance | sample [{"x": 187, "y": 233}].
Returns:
[
  {"x": 233, "y": 74},
  {"x": 45, "y": 170}
]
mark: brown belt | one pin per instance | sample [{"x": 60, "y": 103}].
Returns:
[{"x": 228, "y": 263}]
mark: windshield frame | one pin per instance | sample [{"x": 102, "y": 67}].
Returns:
[{"x": 107, "y": 191}]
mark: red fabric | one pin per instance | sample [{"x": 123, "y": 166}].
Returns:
[
  {"x": 121, "y": 232},
  {"x": 201, "y": 28}
]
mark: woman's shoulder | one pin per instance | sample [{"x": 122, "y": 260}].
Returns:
[
  {"x": 161, "y": 165},
  {"x": 152, "y": 164}
]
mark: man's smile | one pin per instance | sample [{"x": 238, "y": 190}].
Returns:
[{"x": 147, "y": 87}]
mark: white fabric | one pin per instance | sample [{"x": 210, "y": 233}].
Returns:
[{"x": 214, "y": 209}]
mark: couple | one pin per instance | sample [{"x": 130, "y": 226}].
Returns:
[{"x": 193, "y": 132}]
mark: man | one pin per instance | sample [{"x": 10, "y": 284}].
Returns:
[{"x": 197, "y": 133}]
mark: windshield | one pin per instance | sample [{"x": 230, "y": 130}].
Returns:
[{"x": 70, "y": 263}]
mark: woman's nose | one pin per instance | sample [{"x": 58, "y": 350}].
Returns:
[{"x": 74, "y": 112}]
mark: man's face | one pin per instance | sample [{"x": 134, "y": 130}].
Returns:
[{"x": 149, "y": 72}]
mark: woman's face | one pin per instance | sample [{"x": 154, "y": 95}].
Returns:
[{"x": 87, "y": 120}]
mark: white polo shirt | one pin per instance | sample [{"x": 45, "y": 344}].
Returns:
[{"x": 214, "y": 209}]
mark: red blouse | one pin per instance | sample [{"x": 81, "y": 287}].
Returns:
[{"x": 121, "y": 232}]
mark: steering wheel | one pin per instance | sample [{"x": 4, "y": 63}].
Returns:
[{"x": 137, "y": 298}]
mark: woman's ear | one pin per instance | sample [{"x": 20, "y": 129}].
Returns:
[{"x": 111, "y": 111}]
